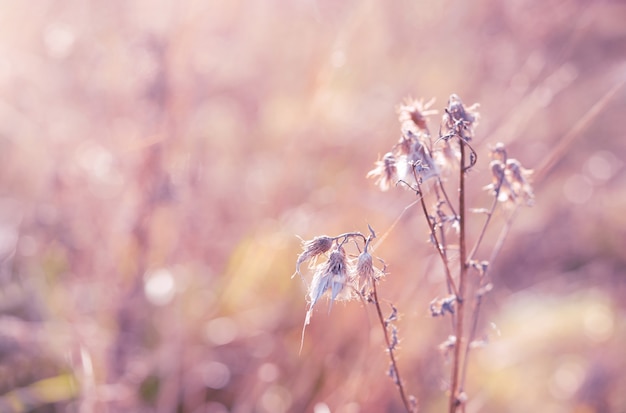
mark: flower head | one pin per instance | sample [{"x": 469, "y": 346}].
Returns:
[
  {"x": 412, "y": 114},
  {"x": 386, "y": 172},
  {"x": 459, "y": 120},
  {"x": 331, "y": 275},
  {"x": 312, "y": 249},
  {"x": 510, "y": 181}
]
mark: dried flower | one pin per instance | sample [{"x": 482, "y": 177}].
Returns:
[
  {"x": 331, "y": 275},
  {"x": 439, "y": 307},
  {"x": 412, "y": 114},
  {"x": 459, "y": 120},
  {"x": 518, "y": 177},
  {"x": 386, "y": 172},
  {"x": 498, "y": 152},
  {"x": 510, "y": 181},
  {"x": 365, "y": 272},
  {"x": 421, "y": 160},
  {"x": 312, "y": 249}
]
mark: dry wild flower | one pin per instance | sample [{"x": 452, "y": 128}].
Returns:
[
  {"x": 366, "y": 273},
  {"x": 421, "y": 160},
  {"x": 441, "y": 306},
  {"x": 459, "y": 120},
  {"x": 412, "y": 114},
  {"x": 331, "y": 275},
  {"x": 518, "y": 177},
  {"x": 312, "y": 249},
  {"x": 386, "y": 172},
  {"x": 509, "y": 179}
]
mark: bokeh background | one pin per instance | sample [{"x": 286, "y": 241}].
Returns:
[{"x": 158, "y": 159}]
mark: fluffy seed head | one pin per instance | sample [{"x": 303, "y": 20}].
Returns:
[
  {"x": 386, "y": 172},
  {"x": 312, "y": 249}
]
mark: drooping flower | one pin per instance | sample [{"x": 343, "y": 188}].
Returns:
[
  {"x": 510, "y": 181},
  {"x": 331, "y": 275},
  {"x": 312, "y": 249}
]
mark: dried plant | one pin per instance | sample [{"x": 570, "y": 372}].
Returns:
[{"x": 426, "y": 166}]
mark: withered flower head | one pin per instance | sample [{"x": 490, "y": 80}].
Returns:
[
  {"x": 365, "y": 273},
  {"x": 421, "y": 160},
  {"x": 518, "y": 177},
  {"x": 333, "y": 275},
  {"x": 509, "y": 179},
  {"x": 412, "y": 114},
  {"x": 312, "y": 249},
  {"x": 498, "y": 152},
  {"x": 386, "y": 172},
  {"x": 459, "y": 120}
]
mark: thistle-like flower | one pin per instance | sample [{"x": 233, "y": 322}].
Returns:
[
  {"x": 386, "y": 172},
  {"x": 331, "y": 275},
  {"x": 312, "y": 249},
  {"x": 412, "y": 115},
  {"x": 459, "y": 120},
  {"x": 509, "y": 179},
  {"x": 365, "y": 273}
]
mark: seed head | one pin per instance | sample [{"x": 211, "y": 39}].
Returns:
[
  {"x": 459, "y": 120},
  {"x": 510, "y": 181},
  {"x": 333, "y": 275},
  {"x": 518, "y": 178},
  {"x": 386, "y": 172},
  {"x": 412, "y": 114},
  {"x": 365, "y": 272},
  {"x": 312, "y": 249}
]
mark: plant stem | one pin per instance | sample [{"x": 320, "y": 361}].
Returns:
[
  {"x": 394, "y": 365},
  {"x": 456, "y": 364},
  {"x": 438, "y": 245}
]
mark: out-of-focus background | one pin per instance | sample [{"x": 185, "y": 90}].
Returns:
[{"x": 158, "y": 159}]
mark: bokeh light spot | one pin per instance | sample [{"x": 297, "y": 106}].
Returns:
[
  {"x": 321, "y": 408},
  {"x": 567, "y": 378},
  {"x": 268, "y": 372},
  {"x": 601, "y": 165},
  {"x": 159, "y": 287},
  {"x": 216, "y": 375},
  {"x": 221, "y": 331}
]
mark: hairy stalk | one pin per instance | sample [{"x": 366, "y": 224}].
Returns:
[
  {"x": 398, "y": 378},
  {"x": 456, "y": 363}
]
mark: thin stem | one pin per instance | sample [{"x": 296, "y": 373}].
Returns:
[
  {"x": 470, "y": 256},
  {"x": 433, "y": 234},
  {"x": 479, "y": 297},
  {"x": 445, "y": 195},
  {"x": 456, "y": 364},
  {"x": 350, "y": 234},
  {"x": 397, "y": 379}
]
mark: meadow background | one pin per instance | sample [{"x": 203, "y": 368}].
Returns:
[{"x": 158, "y": 159}]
